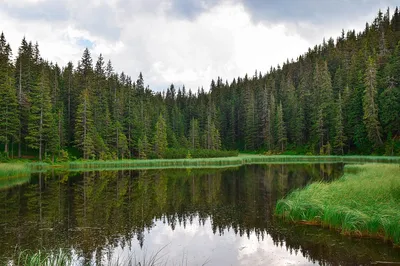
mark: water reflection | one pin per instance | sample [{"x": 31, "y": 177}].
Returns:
[{"x": 220, "y": 216}]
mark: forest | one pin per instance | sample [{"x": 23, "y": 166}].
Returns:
[{"x": 340, "y": 97}]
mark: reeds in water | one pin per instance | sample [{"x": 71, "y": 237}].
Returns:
[{"x": 365, "y": 201}]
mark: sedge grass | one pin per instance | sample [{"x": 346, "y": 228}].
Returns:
[
  {"x": 41, "y": 258},
  {"x": 222, "y": 162},
  {"x": 242, "y": 159},
  {"x": 8, "y": 170},
  {"x": 62, "y": 257},
  {"x": 365, "y": 201}
]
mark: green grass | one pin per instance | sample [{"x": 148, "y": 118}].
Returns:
[
  {"x": 242, "y": 159},
  {"x": 365, "y": 201},
  {"x": 8, "y": 170},
  {"x": 40, "y": 258},
  {"x": 64, "y": 258}
]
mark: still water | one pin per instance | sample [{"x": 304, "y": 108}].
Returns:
[{"x": 177, "y": 217}]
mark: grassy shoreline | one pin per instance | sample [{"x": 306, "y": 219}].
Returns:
[
  {"x": 15, "y": 168},
  {"x": 364, "y": 202},
  {"x": 11, "y": 170}
]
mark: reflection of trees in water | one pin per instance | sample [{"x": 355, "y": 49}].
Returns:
[
  {"x": 96, "y": 211},
  {"x": 330, "y": 248}
]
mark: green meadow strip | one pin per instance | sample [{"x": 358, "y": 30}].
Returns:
[
  {"x": 224, "y": 162},
  {"x": 8, "y": 170},
  {"x": 365, "y": 201},
  {"x": 24, "y": 169}
]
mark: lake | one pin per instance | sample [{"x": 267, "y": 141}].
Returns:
[{"x": 176, "y": 216}]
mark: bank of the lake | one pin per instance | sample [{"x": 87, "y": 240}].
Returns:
[
  {"x": 364, "y": 202},
  {"x": 242, "y": 159},
  {"x": 17, "y": 168}
]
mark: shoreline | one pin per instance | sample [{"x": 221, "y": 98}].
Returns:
[
  {"x": 364, "y": 202},
  {"x": 222, "y": 162}
]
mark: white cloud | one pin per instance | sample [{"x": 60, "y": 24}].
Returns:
[
  {"x": 196, "y": 244},
  {"x": 143, "y": 36},
  {"x": 223, "y": 42}
]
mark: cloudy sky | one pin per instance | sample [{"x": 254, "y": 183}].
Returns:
[{"x": 182, "y": 41}]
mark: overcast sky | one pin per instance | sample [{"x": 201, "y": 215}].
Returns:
[{"x": 182, "y": 41}]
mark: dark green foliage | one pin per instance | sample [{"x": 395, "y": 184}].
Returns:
[
  {"x": 198, "y": 153},
  {"x": 8, "y": 97},
  {"x": 40, "y": 121},
  {"x": 339, "y": 97},
  {"x": 160, "y": 137}
]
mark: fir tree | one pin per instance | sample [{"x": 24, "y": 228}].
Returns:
[
  {"x": 40, "y": 120},
  {"x": 194, "y": 134},
  {"x": 8, "y": 98},
  {"x": 160, "y": 137},
  {"x": 84, "y": 127},
  {"x": 340, "y": 138},
  {"x": 370, "y": 105},
  {"x": 280, "y": 128}
]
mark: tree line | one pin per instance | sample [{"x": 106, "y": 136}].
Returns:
[{"x": 339, "y": 97}]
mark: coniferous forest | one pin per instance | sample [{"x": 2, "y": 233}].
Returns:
[{"x": 340, "y": 97}]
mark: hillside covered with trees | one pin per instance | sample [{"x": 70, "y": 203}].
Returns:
[{"x": 340, "y": 97}]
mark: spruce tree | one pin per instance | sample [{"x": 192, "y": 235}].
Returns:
[
  {"x": 40, "y": 120},
  {"x": 340, "y": 138},
  {"x": 160, "y": 137},
  {"x": 280, "y": 128},
  {"x": 144, "y": 147},
  {"x": 370, "y": 105},
  {"x": 8, "y": 98},
  {"x": 84, "y": 131},
  {"x": 194, "y": 134}
]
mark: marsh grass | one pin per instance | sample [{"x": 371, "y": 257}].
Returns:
[
  {"x": 22, "y": 168},
  {"x": 365, "y": 201},
  {"x": 242, "y": 159},
  {"x": 8, "y": 170},
  {"x": 42, "y": 258},
  {"x": 63, "y": 258}
]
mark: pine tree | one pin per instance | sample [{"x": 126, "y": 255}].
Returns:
[
  {"x": 280, "y": 128},
  {"x": 320, "y": 131},
  {"x": 370, "y": 105},
  {"x": 194, "y": 134},
  {"x": 271, "y": 118},
  {"x": 25, "y": 79},
  {"x": 323, "y": 104},
  {"x": 160, "y": 137},
  {"x": 250, "y": 120},
  {"x": 389, "y": 98},
  {"x": 122, "y": 145},
  {"x": 8, "y": 98},
  {"x": 340, "y": 138},
  {"x": 84, "y": 127},
  {"x": 40, "y": 120},
  {"x": 52, "y": 137},
  {"x": 144, "y": 147}
]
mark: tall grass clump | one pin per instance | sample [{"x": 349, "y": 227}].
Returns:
[
  {"x": 365, "y": 201},
  {"x": 41, "y": 258},
  {"x": 8, "y": 170},
  {"x": 64, "y": 258}
]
